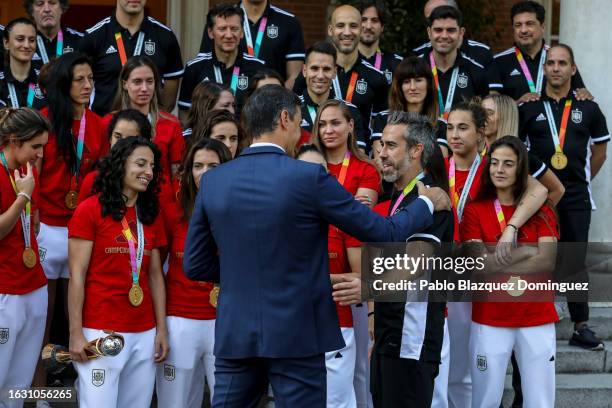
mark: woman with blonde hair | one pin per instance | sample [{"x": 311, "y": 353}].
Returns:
[{"x": 503, "y": 120}]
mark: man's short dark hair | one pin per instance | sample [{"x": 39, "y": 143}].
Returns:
[
  {"x": 528, "y": 6},
  {"x": 444, "y": 12},
  {"x": 567, "y": 48},
  {"x": 380, "y": 6},
  {"x": 28, "y": 6},
  {"x": 323, "y": 47},
  {"x": 224, "y": 10},
  {"x": 262, "y": 111}
]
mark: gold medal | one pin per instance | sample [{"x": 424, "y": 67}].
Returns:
[
  {"x": 214, "y": 296},
  {"x": 136, "y": 295},
  {"x": 29, "y": 257},
  {"x": 558, "y": 160},
  {"x": 514, "y": 290},
  {"x": 71, "y": 199}
]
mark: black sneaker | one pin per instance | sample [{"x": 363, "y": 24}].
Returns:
[{"x": 586, "y": 338}]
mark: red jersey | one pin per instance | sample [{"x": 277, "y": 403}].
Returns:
[
  {"x": 461, "y": 177},
  {"x": 168, "y": 137},
  {"x": 15, "y": 277},
  {"x": 337, "y": 243},
  {"x": 480, "y": 222},
  {"x": 86, "y": 189},
  {"x": 109, "y": 277},
  {"x": 360, "y": 174},
  {"x": 184, "y": 297},
  {"x": 56, "y": 178}
]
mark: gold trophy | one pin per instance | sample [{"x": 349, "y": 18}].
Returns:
[{"x": 56, "y": 358}]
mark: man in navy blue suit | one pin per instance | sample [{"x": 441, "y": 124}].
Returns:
[{"x": 259, "y": 227}]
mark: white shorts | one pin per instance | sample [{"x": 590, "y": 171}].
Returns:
[
  {"x": 490, "y": 351},
  {"x": 53, "y": 250},
  {"x": 191, "y": 362},
  {"x": 440, "y": 394},
  {"x": 125, "y": 380},
  {"x": 459, "y": 376},
  {"x": 363, "y": 343},
  {"x": 340, "y": 366},
  {"x": 22, "y": 326}
]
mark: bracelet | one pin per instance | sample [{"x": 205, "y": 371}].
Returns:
[
  {"x": 513, "y": 226},
  {"x": 22, "y": 194},
  {"x": 370, "y": 314}
]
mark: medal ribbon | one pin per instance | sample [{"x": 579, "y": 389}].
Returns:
[
  {"x": 59, "y": 47},
  {"x": 444, "y": 107},
  {"x": 135, "y": 255},
  {"x": 500, "y": 215},
  {"x": 407, "y": 191},
  {"x": 537, "y": 88},
  {"x": 378, "y": 60},
  {"x": 312, "y": 112},
  {"x": 344, "y": 169},
  {"x": 13, "y": 95},
  {"x": 460, "y": 201},
  {"x": 558, "y": 137},
  {"x": 234, "y": 83},
  {"x": 253, "y": 51},
  {"x": 121, "y": 47},
  {"x": 25, "y": 214},
  {"x": 351, "y": 87}
]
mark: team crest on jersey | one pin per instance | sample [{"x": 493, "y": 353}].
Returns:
[
  {"x": 42, "y": 253},
  {"x": 462, "y": 81},
  {"x": 4, "y": 335},
  {"x": 272, "y": 31},
  {"x": 389, "y": 75},
  {"x": 243, "y": 82},
  {"x": 361, "y": 87},
  {"x": 38, "y": 93},
  {"x": 149, "y": 47},
  {"x": 481, "y": 362},
  {"x": 169, "y": 372},
  {"x": 97, "y": 377},
  {"x": 577, "y": 116}
]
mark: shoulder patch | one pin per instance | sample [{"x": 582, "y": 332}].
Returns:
[
  {"x": 281, "y": 11},
  {"x": 98, "y": 25},
  {"x": 372, "y": 67},
  {"x": 506, "y": 52},
  {"x": 198, "y": 59},
  {"x": 75, "y": 32},
  {"x": 472, "y": 61},
  {"x": 154, "y": 21},
  {"x": 478, "y": 44},
  {"x": 249, "y": 58},
  {"x": 425, "y": 46}
]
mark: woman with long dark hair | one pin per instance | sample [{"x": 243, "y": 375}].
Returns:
[
  {"x": 466, "y": 138},
  {"x": 503, "y": 120},
  {"x": 116, "y": 278},
  {"x": 190, "y": 305},
  {"x": 139, "y": 88},
  {"x": 333, "y": 134},
  {"x": 500, "y": 327},
  {"x": 412, "y": 90},
  {"x": 76, "y": 142},
  {"x": 206, "y": 97},
  {"x": 19, "y": 80},
  {"x": 221, "y": 125},
  {"x": 125, "y": 123},
  {"x": 23, "y": 291}
]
